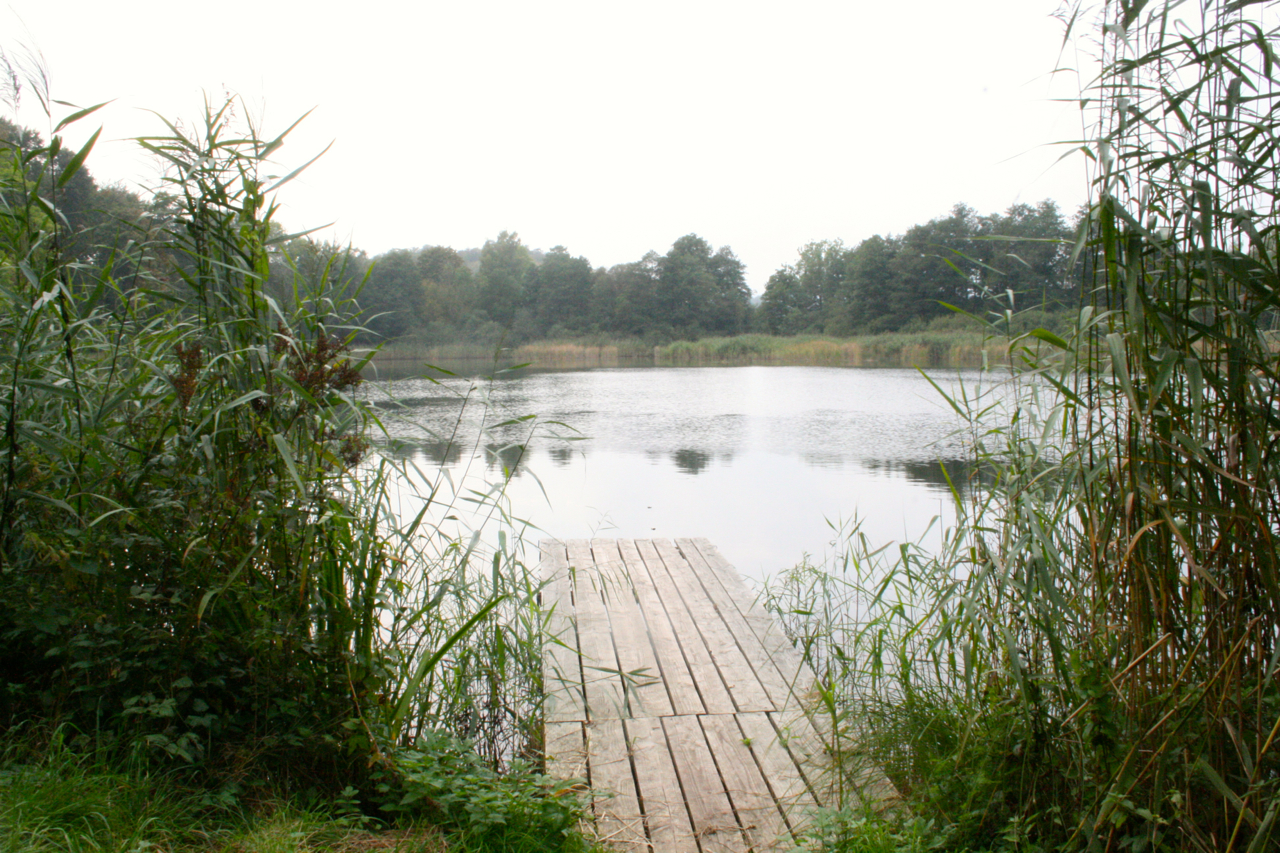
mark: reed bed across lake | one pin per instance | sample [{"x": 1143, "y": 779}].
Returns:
[
  {"x": 948, "y": 349},
  {"x": 925, "y": 349}
]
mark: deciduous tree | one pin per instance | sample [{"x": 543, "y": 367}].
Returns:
[{"x": 504, "y": 265}]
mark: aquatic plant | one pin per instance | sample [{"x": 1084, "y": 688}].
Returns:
[
  {"x": 1092, "y": 662},
  {"x": 200, "y": 555}
]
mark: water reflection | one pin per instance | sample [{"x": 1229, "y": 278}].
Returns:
[
  {"x": 439, "y": 452},
  {"x": 408, "y": 403},
  {"x": 505, "y": 459},
  {"x": 963, "y": 474},
  {"x": 691, "y": 461},
  {"x": 560, "y": 454},
  {"x": 757, "y": 459}
]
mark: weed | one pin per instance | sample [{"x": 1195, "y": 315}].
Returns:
[
  {"x": 1091, "y": 661},
  {"x": 203, "y": 574},
  {"x": 443, "y": 778}
]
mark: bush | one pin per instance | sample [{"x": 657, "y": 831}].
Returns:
[
  {"x": 180, "y": 547},
  {"x": 198, "y": 553},
  {"x": 443, "y": 779}
]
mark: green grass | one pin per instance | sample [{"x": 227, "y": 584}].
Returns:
[
  {"x": 58, "y": 801},
  {"x": 53, "y": 800}
]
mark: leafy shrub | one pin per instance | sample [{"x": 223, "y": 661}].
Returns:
[
  {"x": 445, "y": 780},
  {"x": 198, "y": 555},
  {"x": 179, "y": 547}
]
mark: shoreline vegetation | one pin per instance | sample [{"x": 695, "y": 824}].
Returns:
[
  {"x": 217, "y": 634},
  {"x": 927, "y": 349},
  {"x": 218, "y": 630},
  {"x": 1091, "y": 661}
]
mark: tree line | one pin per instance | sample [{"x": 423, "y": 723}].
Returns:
[
  {"x": 505, "y": 289},
  {"x": 509, "y": 291},
  {"x": 963, "y": 260}
]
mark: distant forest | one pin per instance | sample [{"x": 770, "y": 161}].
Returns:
[{"x": 508, "y": 291}]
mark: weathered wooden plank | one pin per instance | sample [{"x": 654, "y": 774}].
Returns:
[
  {"x": 660, "y": 797},
  {"x": 782, "y": 671},
  {"x": 682, "y": 692},
  {"x": 711, "y": 565},
  {"x": 644, "y": 692},
  {"x": 786, "y": 783},
  {"x": 565, "y": 748},
  {"x": 562, "y": 669},
  {"x": 709, "y": 807},
  {"x": 778, "y": 665},
  {"x": 808, "y": 730},
  {"x": 807, "y": 750},
  {"x": 741, "y": 679},
  {"x": 712, "y": 782},
  {"x": 701, "y": 665},
  {"x": 618, "y": 817},
  {"x": 758, "y": 813},
  {"x": 603, "y": 686}
]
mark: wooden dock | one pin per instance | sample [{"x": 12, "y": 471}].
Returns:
[{"x": 678, "y": 699}]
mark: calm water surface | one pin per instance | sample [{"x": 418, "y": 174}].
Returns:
[{"x": 763, "y": 461}]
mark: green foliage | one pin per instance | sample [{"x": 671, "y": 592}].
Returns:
[
  {"x": 450, "y": 293},
  {"x": 853, "y": 830},
  {"x": 444, "y": 779},
  {"x": 699, "y": 292},
  {"x": 898, "y": 283},
  {"x": 56, "y": 800},
  {"x": 627, "y": 298},
  {"x": 894, "y": 283},
  {"x": 505, "y": 263},
  {"x": 394, "y": 297},
  {"x": 559, "y": 293},
  {"x": 518, "y": 295},
  {"x": 200, "y": 560},
  {"x": 63, "y": 805},
  {"x": 175, "y": 518},
  {"x": 1091, "y": 661}
]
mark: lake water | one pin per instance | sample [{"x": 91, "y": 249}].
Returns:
[{"x": 766, "y": 462}]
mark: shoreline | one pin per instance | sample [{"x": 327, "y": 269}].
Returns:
[{"x": 921, "y": 349}]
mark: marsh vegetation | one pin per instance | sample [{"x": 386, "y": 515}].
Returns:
[
  {"x": 213, "y": 614},
  {"x": 208, "y": 601},
  {"x": 1091, "y": 662}
]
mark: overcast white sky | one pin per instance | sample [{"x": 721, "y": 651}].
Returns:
[{"x": 610, "y": 128}]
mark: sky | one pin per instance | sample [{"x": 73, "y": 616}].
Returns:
[{"x": 609, "y": 128}]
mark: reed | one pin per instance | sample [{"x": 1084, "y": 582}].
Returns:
[
  {"x": 409, "y": 356},
  {"x": 973, "y": 348},
  {"x": 205, "y": 566},
  {"x": 1092, "y": 661}
]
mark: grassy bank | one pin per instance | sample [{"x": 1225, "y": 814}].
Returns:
[
  {"x": 54, "y": 801},
  {"x": 918, "y": 349},
  {"x": 55, "y": 798},
  {"x": 400, "y": 355},
  {"x": 943, "y": 348}
]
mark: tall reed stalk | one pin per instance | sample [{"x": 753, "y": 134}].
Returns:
[
  {"x": 1092, "y": 663},
  {"x": 199, "y": 553}
]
